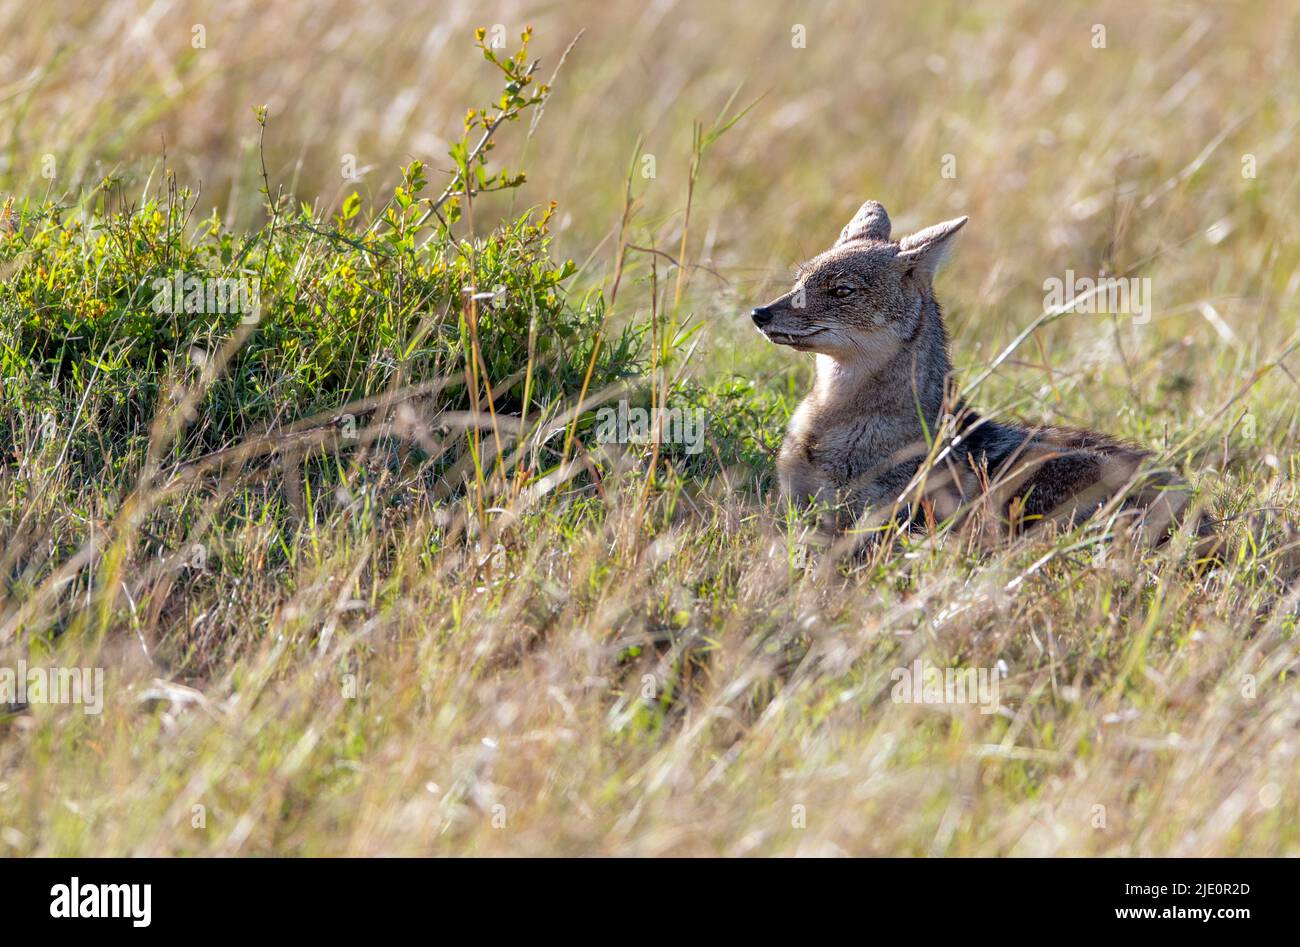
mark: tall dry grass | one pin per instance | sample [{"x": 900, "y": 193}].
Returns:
[{"x": 629, "y": 669}]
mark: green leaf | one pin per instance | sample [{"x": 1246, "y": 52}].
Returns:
[{"x": 351, "y": 205}]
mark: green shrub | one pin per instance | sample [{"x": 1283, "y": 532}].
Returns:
[{"x": 108, "y": 317}]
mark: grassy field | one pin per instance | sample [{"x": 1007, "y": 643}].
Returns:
[{"x": 362, "y": 574}]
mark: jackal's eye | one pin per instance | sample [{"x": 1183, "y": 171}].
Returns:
[{"x": 839, "y": 292}]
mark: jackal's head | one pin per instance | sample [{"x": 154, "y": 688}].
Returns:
[{"x": 864, "y": 295}]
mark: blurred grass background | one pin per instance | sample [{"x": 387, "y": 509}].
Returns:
[
  {"x": 1121, "y": 158},
  {"x": 1066, "y": 155}
]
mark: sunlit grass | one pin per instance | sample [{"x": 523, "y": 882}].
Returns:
[{"x": 406, "y": 642}]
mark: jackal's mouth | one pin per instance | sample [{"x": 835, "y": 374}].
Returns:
[{"x": 795, "y": 340}]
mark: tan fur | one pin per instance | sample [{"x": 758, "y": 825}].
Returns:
[{"x": 882, "y": 394}]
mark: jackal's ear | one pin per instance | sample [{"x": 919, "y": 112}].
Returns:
[
  {"x": 869, "y": 223},
  {"x": 927, "y": 250}
]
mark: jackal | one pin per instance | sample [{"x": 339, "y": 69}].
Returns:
[{"x": 883, "y": 434}]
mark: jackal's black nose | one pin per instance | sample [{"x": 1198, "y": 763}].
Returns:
[{"x": 761, "y": 316}]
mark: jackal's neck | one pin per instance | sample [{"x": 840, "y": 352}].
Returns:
[{"x": 891, "y": 384}]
